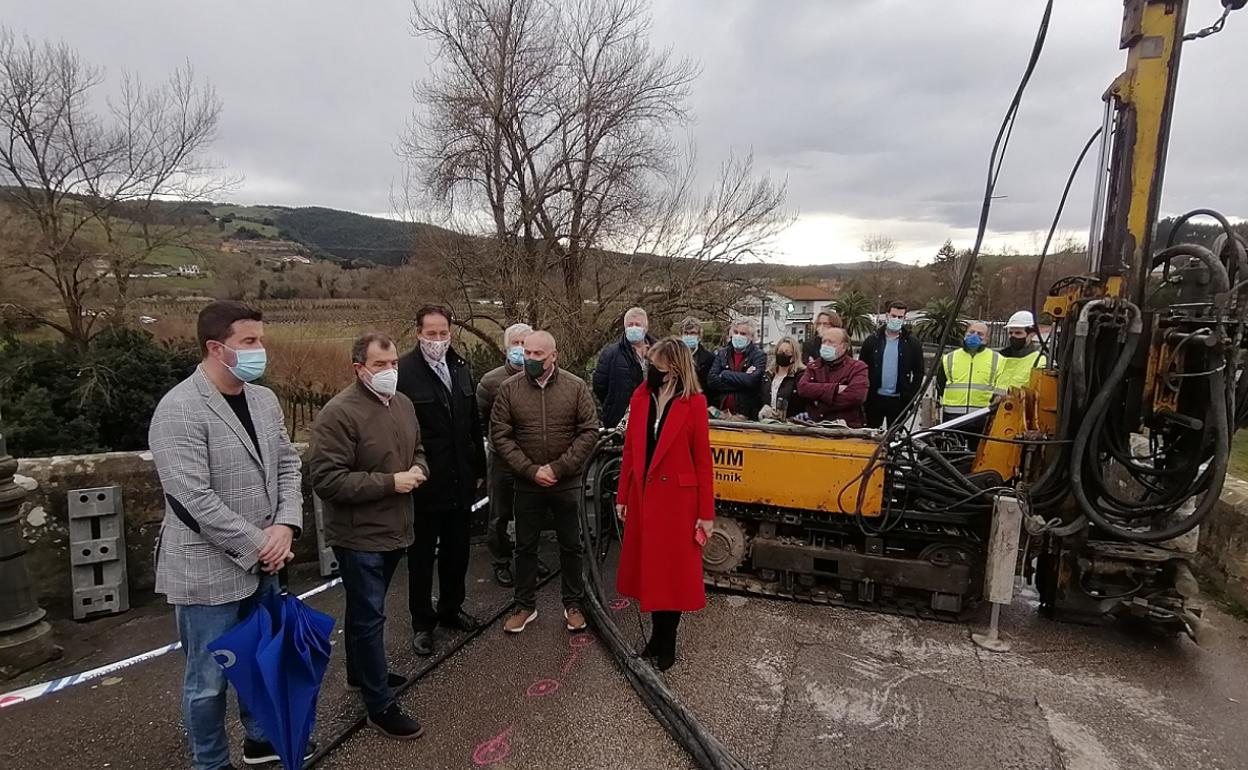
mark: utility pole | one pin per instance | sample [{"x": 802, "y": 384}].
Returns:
[
  {"x": 762, "y": 326},
  {"x": 25, "y": 637}
]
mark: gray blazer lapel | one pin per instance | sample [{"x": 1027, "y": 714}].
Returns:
[{"x": 216, "y": 402}]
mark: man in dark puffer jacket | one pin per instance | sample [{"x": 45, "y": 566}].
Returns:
[{"x": 621, "y": 367}]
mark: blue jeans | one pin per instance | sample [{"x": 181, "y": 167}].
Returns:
[
  {"x": 203, "y": 688},
  {"x": 365, "y": 579}
]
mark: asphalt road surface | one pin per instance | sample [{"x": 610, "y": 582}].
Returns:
[{"x": 784, "y": 685}]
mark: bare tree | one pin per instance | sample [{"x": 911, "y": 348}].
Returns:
[
  {"x": 546, "y": 130},
  {"x": 237, "y": 276},
  {"x": 880, "y": 250},
  {"x": 93, "y": 191}
]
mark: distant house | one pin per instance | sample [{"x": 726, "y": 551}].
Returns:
[
  {"x": 188, "y": 271},
  {"x": 785, "y": 311}
]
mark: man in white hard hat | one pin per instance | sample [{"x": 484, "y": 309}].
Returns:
[{"x": 1021, "y": 353}]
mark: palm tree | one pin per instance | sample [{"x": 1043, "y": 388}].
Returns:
[
  {"x": 935, "y": 315},
  {"x": 856, "y": 312}
]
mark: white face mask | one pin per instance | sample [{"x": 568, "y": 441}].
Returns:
[
  {"x": 385, "y": 383},
  {"x": 434, "y": 349}
]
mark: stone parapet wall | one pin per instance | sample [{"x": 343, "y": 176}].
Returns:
[
  {"x": 1223, "y": 551},
  {"x": 48, "y": 481}
]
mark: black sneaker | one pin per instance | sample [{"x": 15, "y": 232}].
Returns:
[
  {"x": 503, "y": 576},
  {"x": 422, "y": 643},
  {"x": 393, "y": 723},
  {"x": 262, "y": 752},
  {"x": 393, "y": 680}
]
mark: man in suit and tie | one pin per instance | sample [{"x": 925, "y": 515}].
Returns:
[
  {"x": 233, "y": 506},
  {"x": 439, "y": 383}
]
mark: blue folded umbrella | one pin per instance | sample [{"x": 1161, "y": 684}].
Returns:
[{"x": 276, "y": 659}]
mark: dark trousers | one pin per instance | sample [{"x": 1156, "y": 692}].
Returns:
[
  {"x": 531, "y": 509},
  {"x": 502, "y": 496},
  {"x": 366, "y": 577},
  {"x": 883, "y": 408},
  {"x": 442, "y": 536}
]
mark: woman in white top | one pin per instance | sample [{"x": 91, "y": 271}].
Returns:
[{"x": 780, "y": 380}]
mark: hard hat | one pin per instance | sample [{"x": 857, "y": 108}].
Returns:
[{"x": 1023, "y": 319}]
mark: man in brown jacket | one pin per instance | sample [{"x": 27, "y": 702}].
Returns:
[
  {"x": 364, "y": 462},
  {"x": 544, "y": 425}
]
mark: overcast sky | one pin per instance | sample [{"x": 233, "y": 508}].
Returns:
[{"x": 879, "y": 113}]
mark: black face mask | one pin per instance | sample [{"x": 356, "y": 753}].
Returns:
[
  {"x": 654, "y": 378},
  {"x": 783, "y": 359},
  {"x": 1018, "y": 344}
]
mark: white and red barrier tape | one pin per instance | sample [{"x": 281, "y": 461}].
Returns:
[{"x": 56, "y": 685}]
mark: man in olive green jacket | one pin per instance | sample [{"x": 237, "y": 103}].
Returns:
[
  {"x": 364, "y": 462},
  {"x": 544, "y": 424}
]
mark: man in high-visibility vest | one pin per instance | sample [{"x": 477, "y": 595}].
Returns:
[
  {"x": 968, "y": 376},
  {"x": 1021, "y": 353}
]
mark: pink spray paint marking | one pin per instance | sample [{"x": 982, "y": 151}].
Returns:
[
  {"x": 577, "y": 643},
  {"x": 619, "y": 604},
  {"x": 498, "y": 748},
  {"x": 542, "y": 687},
  {"x": 494, "y": 750}
]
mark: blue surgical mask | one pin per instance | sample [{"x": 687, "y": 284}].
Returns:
[
  {"x": 972, "y": 341},
  {"x": 692, "y": 341},
  {"x": 634, "y": 334},
  {"x": 250, "y": 364},
  {"x": 895, "y": 324},
  {"x": 515, "y": 356},
  {"x": 739, "y": 341},
  {"x": 828, "y": 352}
]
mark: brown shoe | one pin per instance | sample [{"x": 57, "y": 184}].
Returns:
[
  {"x": 519, "y": 620},
  {"x": 575, "y": 618}
]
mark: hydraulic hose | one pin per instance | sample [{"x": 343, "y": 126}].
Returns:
[
  {"x": 1080, "y": 361},
  {"x": 1084, "y": 458},
  {"x": 1216, "y": 269}
]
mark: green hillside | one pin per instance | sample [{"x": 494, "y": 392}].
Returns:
[{"x": 348, "y": 237}]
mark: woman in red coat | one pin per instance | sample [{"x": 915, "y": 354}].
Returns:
[{"x": 666, "y": 496}]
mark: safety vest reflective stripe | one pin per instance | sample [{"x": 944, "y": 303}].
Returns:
[{"x": 971, "y": 381}]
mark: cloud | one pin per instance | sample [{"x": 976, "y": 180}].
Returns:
[{"x": 879, "y": 113}]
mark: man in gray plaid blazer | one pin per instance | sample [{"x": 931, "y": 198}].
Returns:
[{"x": 233, "y": 505}]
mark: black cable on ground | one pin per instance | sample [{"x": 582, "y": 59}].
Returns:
[{"x": 706, "y": 750}]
